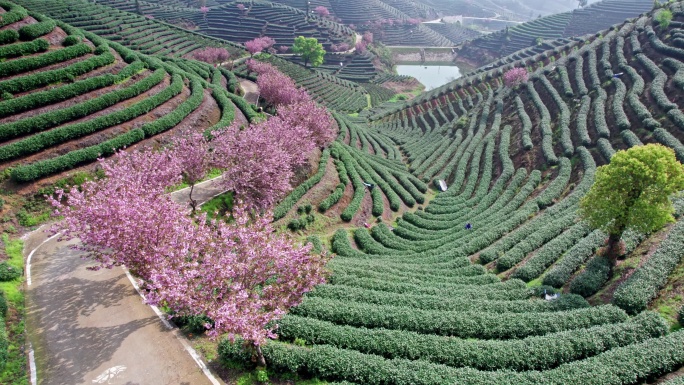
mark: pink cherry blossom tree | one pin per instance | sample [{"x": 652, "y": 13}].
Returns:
[
  {"x": 361, "y": 47},
  {"x": 275, "y": 87},
  {"x": 259, "y": 44},
  {"x": 322, "y": 11},
  {"x": 283, "y": 49},
  {"x": 342, "y": 47},
  {"x": 192, "y": 152},
  {"x": 515, "y": 76},
  {"x": 315, "y": 119},
  {"x": 368, "y": 37},
  {"x": 241, "y": 275},
  {"x": 256, "y": 275},
  {"x": 211, "y": 55},
  {"x": 258, "y": 168},
  {"x": 124, "y": 218}
]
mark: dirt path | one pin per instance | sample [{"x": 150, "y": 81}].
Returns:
[
  {"x": 251, "y": 90},
  {"x": 90, "y": 327}
]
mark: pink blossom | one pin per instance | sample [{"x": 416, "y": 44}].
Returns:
[
  {"x": 368, "y": 37},
  {"x": 322, "y": 11},
  {"x": 361, "y": 47},
  {"x": 204, "y": 9},
  {"x": 342, "y": 47},
  {"x": 241, "y": 275},
  {"x": 515, "y": 77},
  {"x": 283, "y": 49},
  {"x": 241, "y": 7},
  {"x": 316, "y": 120},
  {"x": 274, "y": 86},
  {"x": 212, "y": 55},
  {"x": 259, "y": 44}
]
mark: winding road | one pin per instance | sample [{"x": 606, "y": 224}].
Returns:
[{"x": 92, "y": 327}]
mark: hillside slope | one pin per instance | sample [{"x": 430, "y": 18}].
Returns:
[
  {"x": 69, "y": 97},
  {"x": 579, "y": 22},
  {"x": 410, "y": 298}
]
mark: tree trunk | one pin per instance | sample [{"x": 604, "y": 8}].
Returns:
[
  {"x": 137, "y": 7},
  {"x": 193, "y": 203},
  {"x": 260, "y": 357},
  {"x": 613, "y": 246}
]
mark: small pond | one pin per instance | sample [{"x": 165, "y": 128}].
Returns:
[{"x": 432, "y": 76}]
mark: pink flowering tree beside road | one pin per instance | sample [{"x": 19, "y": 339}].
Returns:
[{"x": 241, "y": 275}]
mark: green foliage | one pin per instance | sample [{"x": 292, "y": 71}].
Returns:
[
  {"x": 67, "y": 91},
  {"x": 20, "y": 49},
  {"x": 594, "y": 276},
  {"x": 664, "y": 17},
  {"x": 8, "y": 36},
  {"x": 43, "y": 78},
  {"x": 3, "y": 305},
  {"x": 14, "y": 67},
  {"x": 531, "y": 353},
  {"x": 640, "y": 288},
  {"x": 470, "y": 324},
  {"x": 44, "y": 121},
  {"x": 219, "y": 206},
  {"x": 193, "y": 323},
  {"x": 309, "y": 49},
  {"x": 299, "y": 192},
  {"x": 4, "y": 344},
  {"x": 34, "y": 31},
  {"x": 8, "y": 273},
  {"x": 71, "y": 40},
  {"x": 632, "y": 192},
  {"x": 623, "y": 365}
]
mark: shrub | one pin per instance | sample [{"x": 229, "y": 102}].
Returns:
[
  {"x": 193, "y": 323},
  {"x": 4, "y": 344},
  {"x": 3, "y": 305},
  {"x": 631, "y": 364},
  {"x": 640, "y": 288},
  {"x": 664, "y": 17},
  {"x": 8, "y": 273},
  {"x": 8, "y": 36},
  {"x": 34, "y": 31},
  {"x": 21, "y": 49},
  {"x": 592, "y": 278},
  {"x": 71, "y": 40}
]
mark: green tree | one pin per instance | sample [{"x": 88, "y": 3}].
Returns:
[
  {"x": 137, "y": 7},
  {"x": 633, "y": 192},
  {"x": 310, "y": 50}
]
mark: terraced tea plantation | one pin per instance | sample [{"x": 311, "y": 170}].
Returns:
[
  {"x": 460, "y": 256},
  {"x": 69, "y": 96},
  {"x": 417, "y": 297},
  {"x": 531, "y": 35}
]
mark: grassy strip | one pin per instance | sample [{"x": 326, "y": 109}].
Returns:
[{"x": 14, "y": 371}]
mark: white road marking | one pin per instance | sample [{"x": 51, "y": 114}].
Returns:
[
  {"x": 28, "y": 259},
  {"x": 109, "y": 374},
  {"x": 182, "y": 340},
  {"x": 32, "y": 366}
]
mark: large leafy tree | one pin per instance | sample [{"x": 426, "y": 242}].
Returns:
[
  {"x": 633, "y": 192},
  {"x": 310, "y": 50}
]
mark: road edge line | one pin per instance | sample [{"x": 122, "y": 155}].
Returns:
[
  {"x": 193, "y": 353},
  {"x": 28, "y": 259}
]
